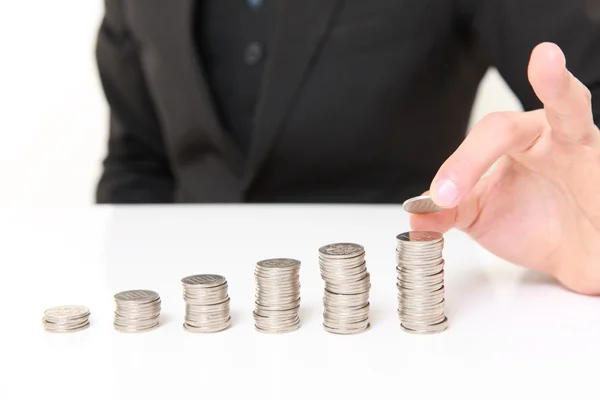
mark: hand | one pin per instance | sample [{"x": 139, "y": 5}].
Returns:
[{"x": 526, "y": 186}]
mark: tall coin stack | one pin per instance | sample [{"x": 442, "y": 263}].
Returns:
[
  {"x": 136, "y": 311},
  {"x": 347, "y": 285},
  {"x": 66, "y": 319},
  {"x": 277, "y": 297},
  {"x": 420, "y": 269},
  {"x": 207, "y": 303}
]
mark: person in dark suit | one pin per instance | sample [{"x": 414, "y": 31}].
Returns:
[{"x": 355, "y": 101}]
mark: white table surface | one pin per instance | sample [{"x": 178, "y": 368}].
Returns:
[{"x": 512, "y": 332}]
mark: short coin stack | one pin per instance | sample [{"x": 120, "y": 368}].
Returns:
[
  {"x": 347, "y": 286},
  {"x": 277, "y": 297},
  {"x": 136, "y": 311},
  {"x": 66, "y": 319},
  {"x": 207, "y": 303},
  {"x": 420, "y": 269}
]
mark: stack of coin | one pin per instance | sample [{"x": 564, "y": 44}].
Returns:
[
  {"x": 420, "y": 270},
  {"x": 136, "y": 311},
  {"x": 66, "y": 319},
  {"x": 347, "y": 285},
  {"x": 277, "y": 297},
  {"x": 207, "y": 303}
]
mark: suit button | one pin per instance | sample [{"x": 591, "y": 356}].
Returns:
[
  {"x": 254, "y": 53},
  {"x": 254, "y": 4}
]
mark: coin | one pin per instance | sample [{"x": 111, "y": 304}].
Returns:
[
  {"x": 428, "y": 238},
  {"x": 66, "y": 319},
  {"x": 136, "y": 311},
  {"x": 207, "y": 308},
  {"x": 420, "y": 282},
  {"x": 347, "y": 286},
  {"x": 205, "y": 280},
  {"x": 341, "y": 250},
  {"x": 277, "y": 295},
  {"x": 136, "y": 296},
  {"x": 421, "y": 205}
]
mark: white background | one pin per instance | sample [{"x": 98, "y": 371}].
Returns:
[
  {"x": 52, "y": 109},
  {"x": 513, "y": 333}
]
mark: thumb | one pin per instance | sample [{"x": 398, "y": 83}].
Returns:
[
  {"x": 462, "y": 217},
  {"x": 566, "y": 100}
]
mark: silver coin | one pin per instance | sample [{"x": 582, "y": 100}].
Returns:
[
  {"x": 279, "y": 307},
  {"x": 341, "y": 271},
  {"x": 208, "y": 326},
  {"x": 418, "y": 307},
  {"x": 208, "y": 329},
  {"x": 341, "y": 250},
  {"x": 424, "y": 271},
  {"x": 420, "y": 252},
  {"x": 205, "y": 293},
  {"x": 52, "y": 329},
  {"x": 136, "y": 315},
  {"x": 201, "y": 292},
  {"x": 205, "y": 319},
  {"x": 278, "y": 330},
  {"x": 347, "y": 284},
  {"x": 136, "y": 311},
  {"x": 431, "y": 329},
  {"x": 419, "y": 302},
  {"x": 353, "y": 288},
  {"x": 421, "y": 317},
  {"x": 419, "y": 288},
  {"x": 61, "y": 313},
  {"x": 277, "y": 295},
  {"x": 422, "y": 323},
  {"x": 284, "y": 286},
  {"x": 421, "y": 262},
  {"x": 66, "y": 319},
  {"x": 279, "y": 263},
  {"x": 292, "y": 312},
  {"x": 347, "y": 331},
  {"x": 128, "y": 329},
  {"x": 347, "y": 319},
  {"x": 419, "y": 241},
  {"x": 204, "y": 280},
  {"x": 219, "y": 307},
  {"x": 207, "y": 303},
  {"x": 420, "y": 281},
  {"x": 276, "y": 321},
  {"x": 342, "y": 262},
  {"x": 418, "y": 313},
  {"x": 416, "y": 276},
  {"x": 137, "y": 296},
  {"x": 421, "y": 205},
  {"x": 354, "y": 281},
  {"x": 138, "y": 307},
  {"x": 416, "y": 238},
  {"x": 65, "y": 323},
  {"x": 133, "y": 318}
]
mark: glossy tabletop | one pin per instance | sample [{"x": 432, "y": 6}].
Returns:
[{"x": 513, "y": 333}]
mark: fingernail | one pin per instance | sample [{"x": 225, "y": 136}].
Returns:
[{"x": 446, "y": 193}]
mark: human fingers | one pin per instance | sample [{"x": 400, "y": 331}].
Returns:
[
  {"x": 567, "y": 101},
  {"x": 461, "y": 217},
  {"x": 494, "y": 136}
]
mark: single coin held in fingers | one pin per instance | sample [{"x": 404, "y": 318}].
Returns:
[{"x": 421, "y": 205}]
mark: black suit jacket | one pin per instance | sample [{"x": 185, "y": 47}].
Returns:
[{"x": 361, "y": 102}]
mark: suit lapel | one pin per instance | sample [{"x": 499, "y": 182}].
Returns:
[
  {"x": 166, "y": 29},
  {"x": 302, "y": 26}
]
